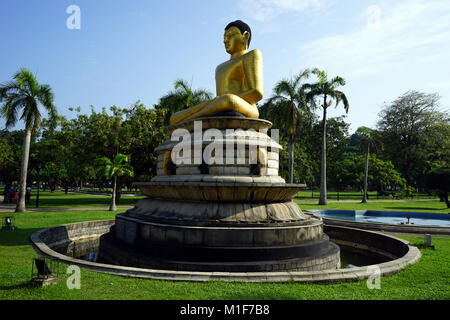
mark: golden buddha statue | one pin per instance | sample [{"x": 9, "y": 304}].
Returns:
[{"x": 239, "y": 81}]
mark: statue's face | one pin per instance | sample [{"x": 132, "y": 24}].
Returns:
[{"x": 234, "y": 41}]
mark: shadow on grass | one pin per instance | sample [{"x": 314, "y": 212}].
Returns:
[
  {"x": 16, "y": 237},
  {"x": 85, "y": 201},
  {"x": 422, "y": 246},
  {"x": 23, "y": 285}
]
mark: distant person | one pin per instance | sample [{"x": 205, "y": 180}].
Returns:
[
  {"x": 15, "y": 196},
  {"x": 28, "y": 195},
  {"x": 10, "y": 194}
]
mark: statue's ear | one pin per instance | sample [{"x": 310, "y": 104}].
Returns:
[{"x": 246, "y": 35}]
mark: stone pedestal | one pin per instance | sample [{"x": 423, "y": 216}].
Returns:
[{"x": 237, "y": 215}]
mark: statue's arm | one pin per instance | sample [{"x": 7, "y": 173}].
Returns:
[{"x": 253, "y": 67}]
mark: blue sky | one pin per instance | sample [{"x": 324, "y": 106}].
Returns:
[{"x": 134, "y": 50}]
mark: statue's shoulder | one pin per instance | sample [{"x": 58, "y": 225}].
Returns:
[
  {"x": 222, "y": 65},
  {"x": 255, "y": 53}
]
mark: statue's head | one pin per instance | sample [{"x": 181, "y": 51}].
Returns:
[{"x": 237, "y": 36}]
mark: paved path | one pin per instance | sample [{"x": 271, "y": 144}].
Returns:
[{"x": 106, "y": 193}]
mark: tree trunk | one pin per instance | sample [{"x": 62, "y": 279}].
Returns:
[
  {"x": 291, "y": 159},
  {"x": 112, "y": 207},
  {"x": 323, "y": 173},
  {"x": 118, "y": 193},
  {"x": 366, "y": 172},
  {"x": 20, "y": 207}
]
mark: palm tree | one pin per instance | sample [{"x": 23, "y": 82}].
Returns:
[
  {"x": 327, "y": 89},
  {"x": 286, "y": 107},
  {"x": 113, "y": 169},
  {"x": 27, "y": 95},
  {"x": 182, "y": 98},
  {"x": 369, "y": 138}
]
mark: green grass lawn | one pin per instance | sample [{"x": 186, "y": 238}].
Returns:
[
  {"x": 427, "y": 279},
  {"x": 59, "y": 199}
]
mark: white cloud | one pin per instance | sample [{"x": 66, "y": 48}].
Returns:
[
  {"x": 263, "y": 10},
  {"x": 395, "y": 35}
]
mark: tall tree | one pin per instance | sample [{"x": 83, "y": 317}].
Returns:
[
  {"x": 114, "y": 169},
  {"x": 10, "y": 169},
  {"x": 181, "y": 98},
  {"x": 337, "y": 133},
  {"x": 27, "y": 95},
  {"x": 415, "y": 133},
  {"x": 287, "y": 107},
  {"x": 381, "y": 174},
  {"x": 144, "y": 129},
  {"x": 6, "y": 155},
  {"x": 327, "y": 89},
  {"x": 369, "y": 139}
]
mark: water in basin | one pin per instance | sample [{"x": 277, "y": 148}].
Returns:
[{"x": 389, "y": 217}]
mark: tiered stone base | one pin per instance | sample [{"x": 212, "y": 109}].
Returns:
[
  {"x": 235, "y": 215},
  {"x": 222, "y": 236}
]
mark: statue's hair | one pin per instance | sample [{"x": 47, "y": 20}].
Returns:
[{"x": 242, "y": 26}]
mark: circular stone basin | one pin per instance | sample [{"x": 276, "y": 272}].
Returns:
[
  {"x": 78, "y": 242},
  {"x": 394, "y": 221}
]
